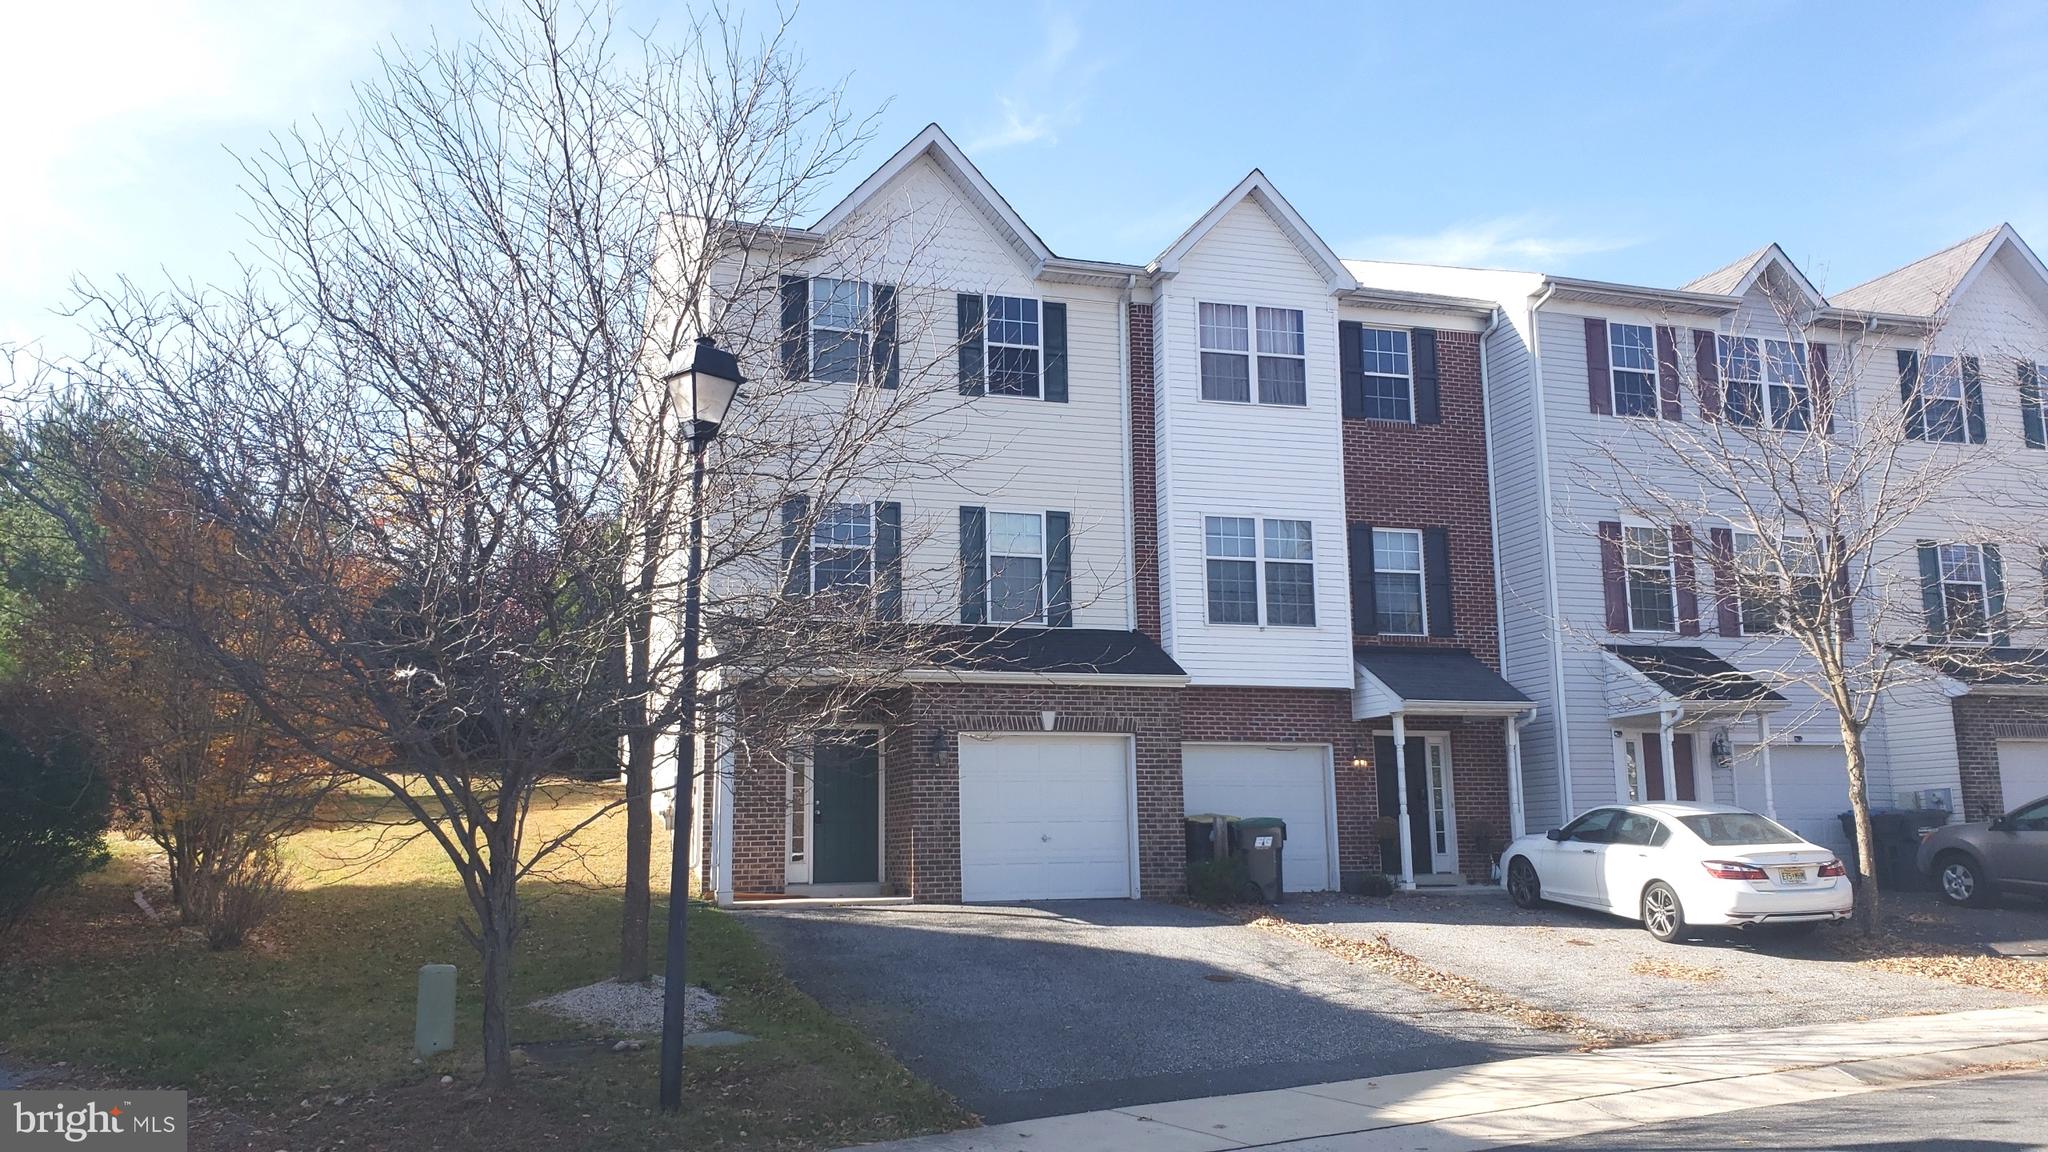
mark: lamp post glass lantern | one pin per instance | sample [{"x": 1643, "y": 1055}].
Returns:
[{"x": 702, "y": 383}]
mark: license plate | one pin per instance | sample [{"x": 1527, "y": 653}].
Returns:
[{"x": 1791, "y": 875}]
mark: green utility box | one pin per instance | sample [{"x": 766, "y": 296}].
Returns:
[
  {"x": 433, "y": 1029},
  {"x": 1259, "y": 841}
]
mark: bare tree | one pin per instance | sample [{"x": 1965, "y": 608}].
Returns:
[{"x": 1807, "y": 488}]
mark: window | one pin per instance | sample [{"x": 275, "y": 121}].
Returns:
[
  {"x": 1637, "y": 829},
  {"x": 1013, "y": 346},
  {"x": 1232, "y": 546},
  {"x": 1397, "y": 582},
  {"x": 1290, "y": 573},
  {"x": 1632, "y": 356},
  {"x": 1226, "y": 363},
  {"x": 1016, "y": 567},
  {"x": 1594, "y": 827},
  {"x": 1243, "y": 560},
  {"x": 843, "y": 548},
  {"x": 1942, "y": 399},
  {"x": 1389, "y": 375},
  {"x": 1724, "y": 828},
  {"x": 1756, "y": 586},
  {"x": 1964, "y": 592},
  {"x": 1766, "y": 379},
  {"x": 1225, "y": 333},
  {"x": 1646, "y": 555},
  {"x": 1283, "y": 357},
  {"x": 2032, "y": 818},
  {"x": 839, "y": 329}
]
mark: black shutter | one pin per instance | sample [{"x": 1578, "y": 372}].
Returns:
[
  {"x": 1994, "y": 596},
  {"x": 1436, "y": 566},
  {"x": 1909, "y": 395},
  {"x": 972, "y": 363},
  {"x": 973, "y": 564},
  {"x": 796, "y": 328},
  {"x": 1351, "y": 368},
  {"x": 1053, "y": 329},
  {"x": 1059, "y": 570},
  {"x": 796, "y": 546},
  {"x": 2030, "y": 406},
  {"x": 889, "y": 560},
  {"x": 886, "y": 371},
  {"x": 1930, "y": 589},
  {"x": 1365, "y": 617},
  {"x": 1422, "y": 357},
  {"x": 1973, "y": 400}
]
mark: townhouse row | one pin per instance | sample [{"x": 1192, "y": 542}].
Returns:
[{"x": 1254, "y": 529}]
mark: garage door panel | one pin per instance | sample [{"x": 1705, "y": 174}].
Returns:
[
  {"x": 1044, "y": 818},
  {"x": 2023, "y": 771},
  {"x": 1261, "y": 780},
  {"x": 1810, "y": 785}
]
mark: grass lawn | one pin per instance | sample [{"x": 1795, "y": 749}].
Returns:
[{"x": 302, "y": 1038}]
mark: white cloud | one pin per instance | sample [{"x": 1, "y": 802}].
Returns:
[
  {"x": 1019, "y": 126},
  {"x": 1519, "y": 240},
  {"x": 1046, "y": 93}
]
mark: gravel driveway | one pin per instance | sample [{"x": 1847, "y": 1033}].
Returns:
[
  {"x": 1612, "y": 973},
  {"x": 1023, "y": 1011}
]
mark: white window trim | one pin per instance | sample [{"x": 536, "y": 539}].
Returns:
[
  {"x": 867, "y": 507},
  {"x": 1927, "y": 400},
  {"x": 1409, "y": 379},
  {"x": 1258, "y": 560},
  {"x": 1983, "y": 586},
  {"x": 1421, "y": 577},
  {"x": 1628, "y": 588},
  {"x": 1038, "y": 619},
  {"x": 867, "y": 304},
  {"x": 1767, "y": 413},
  {"x": 1656, "y": 375},
  {"x": 1251, "y": 355},
  {"x": 987, "y": 366},
  {"x": 1784, "y": 577}
]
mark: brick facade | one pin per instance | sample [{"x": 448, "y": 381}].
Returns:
[
  {"x": 1144, "y": 475},
  {"x": 1981, "y": 721}
]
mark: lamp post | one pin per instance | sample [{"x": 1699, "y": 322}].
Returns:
[{"x": 702, "y": 382}]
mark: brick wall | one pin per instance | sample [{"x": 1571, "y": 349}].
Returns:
[
  {"x": 1981, "y": 721},
  {"x": 1434, "y": 475},
  {"x": 1144, "y": 474}
]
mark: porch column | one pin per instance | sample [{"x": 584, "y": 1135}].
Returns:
[
  {"x": 1666, "y": 721},
  {"x": 1763, "y": 751},
  {"x": 1517, "y": 825},
  {"x": 718, "y": 787},
  {"x": 1401, "y": 790}
]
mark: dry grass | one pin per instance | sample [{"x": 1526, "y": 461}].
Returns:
[{"x": 1976, "y": 968}]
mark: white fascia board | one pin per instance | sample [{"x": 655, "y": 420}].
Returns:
[
  {"x": 934, "y": 142},
  {"x": 1256, "y": 186}
]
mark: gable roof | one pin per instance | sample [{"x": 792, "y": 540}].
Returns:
[
  {"x": 1738, "y": 278},
  {"x": 1257, "y": 188},
  {"x": 1925, "y": 287},
  {"x": 940, "y": 148}
]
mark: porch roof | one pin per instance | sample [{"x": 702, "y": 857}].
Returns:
[
  {"x": 1981, "y": 667},
  {"x": 976, "y": 651},
  {"x": 1658, "y": 676},
  {"x": 1437, "y": 681}
]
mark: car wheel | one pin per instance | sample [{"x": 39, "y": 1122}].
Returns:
[
  {"x": 1663, "y": 916},
  {"x": 1963, "y": 882},
  {"x": 1524, "y": 886}
]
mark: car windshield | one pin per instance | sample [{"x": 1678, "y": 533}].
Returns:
[{"x": 1736, "y": 828}]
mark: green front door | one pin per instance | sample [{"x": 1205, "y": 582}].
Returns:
[{"x": 846, "y": 805}]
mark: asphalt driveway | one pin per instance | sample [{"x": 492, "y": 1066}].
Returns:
[
  {"x": 1025, "y": 1010},
  {"x": 1611, "y": 972}
]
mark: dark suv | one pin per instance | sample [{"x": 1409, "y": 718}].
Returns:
[{"x": 1973, "y": 863}]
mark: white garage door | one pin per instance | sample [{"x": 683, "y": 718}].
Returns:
[
  {"x": 1262, "y": 780},
  {"x": 2023, "y": 767},
  {"x": 1044, "y": 817},
  {"x": 1811, "y": 783}
]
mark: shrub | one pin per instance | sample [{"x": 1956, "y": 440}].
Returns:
[
  {"x": 53, "y": 819},
  {"x": 1223, "y": 881},
  {"x": 1372, "y": 884},
  {"x": 233, "y": 902}
]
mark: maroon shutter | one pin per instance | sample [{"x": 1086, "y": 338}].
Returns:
[
  {"x": 1727, "y": 597},
  {"x": 1822, "y": 390},
  {"x": 1612, "y": 576},
  {"x": 1667, "y": 373},
  {"x": 1847, "y": 606},
  {"x": 1685, "y": 580},
  {"x": 1599, "y": 380},
  {"x": 1681, "y": 765},
  {"x": 1653, "y": 767},
  {"x": 1706, "y": 353}
]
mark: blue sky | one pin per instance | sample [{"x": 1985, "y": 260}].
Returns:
[{"x": 1642, "y": 142}]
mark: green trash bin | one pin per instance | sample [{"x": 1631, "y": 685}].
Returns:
[{"x": 1260, "y": 842}]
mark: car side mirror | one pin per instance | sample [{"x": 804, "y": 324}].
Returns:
[
  {"x": 2000, "y": 824},
  {"x": 1555, "y": 834}
]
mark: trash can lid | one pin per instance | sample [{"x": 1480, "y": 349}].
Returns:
[
  {"x": 1206, "y": 817},
  {"x": 1262, "y": 822}
]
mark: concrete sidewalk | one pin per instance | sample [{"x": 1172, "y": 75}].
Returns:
[{"x": 1542, "y": 1097}]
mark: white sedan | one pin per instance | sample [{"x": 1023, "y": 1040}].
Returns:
[{"x": 1673, "y": 865}]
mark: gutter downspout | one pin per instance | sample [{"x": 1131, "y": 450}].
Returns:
[
  {"x": 1123, "y": 360},
  {"x": 1565, "y": 799}
]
